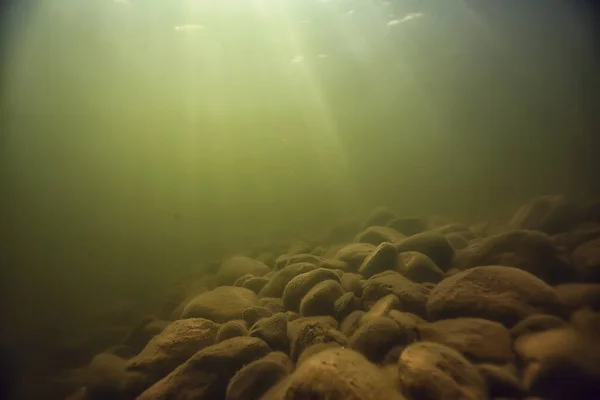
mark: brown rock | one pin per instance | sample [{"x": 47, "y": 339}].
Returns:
[
  {"x": 300, "y": 258},
  {"x": 381, "y": 259},
  {"x": 141, "y": 334},
  {"x": 432, "y": 244},
  {"x": 379, "y": 234},
  {"x": 207, "y": 374},
  {"x": 530, "y": 251},
  {"x": 334, "y": 264},
  {"x": 104, "y": 377},
  {"x": 291, "y": 316},
  {"x": 457, "y": 240},
  {"x": 179, "y": 341},
  {"x": 236, "y": 267},
  {"x": 377, "y": 336},
  {"x": 479, "y": 340},
  {"x": 254, "y": 379},
  {"x": 273, "y": 331},
  {"x": 418, "y": 267},
  {"x": 382, "y": 308},
  {"x": 501, "y": 381},
  {"x": 549, "y": 214},
  {"x": 273, "y": 304},
  {"x": 351, "y": 323},
  {"x": 579, "y": 295},
  {"x": 354, "y": 254},
  {"x": 255, "y": 313},
  {"x": 316, "y": 348},
  {"x": 537, "y": 323},
  {"x": 571, "y": 239},
  {"x": 232, "y": 329},
  {"x": 586, "y": 261},
  {"x": 267, "y": 258},
  {"x": 255, "y": 284},
  {"x": 335, "y": 374},
  {"x": 294, "y": 326},
  {"x": 300, "y": 285},
  {"x": 412, "y": 296},
  {"x": 407, "y": 320},
  {"x": 222, "y": 304},
  {"x": 497, "y": 293},
  {"x": 311, "y": 333},
  {"x": 242, "y": 279},
  {"x": 560, "y": 364},
  {"x": 318, "y": 251},
  {"x": 433, "y": 371},
  {"x": 277, "y": 284},
  {"x": 351, "y": 283},
  {"x": 345, "y": 305},
  {"x": 320, "y": 300}
]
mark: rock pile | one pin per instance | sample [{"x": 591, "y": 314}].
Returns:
[{"x": 408, "y": 310}]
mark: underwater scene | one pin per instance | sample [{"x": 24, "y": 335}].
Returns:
[{"x": 299, "y": 200}]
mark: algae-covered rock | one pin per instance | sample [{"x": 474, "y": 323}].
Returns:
[
  {"x": 497, "y": 293},
  {"x": 222, "y": 304}
]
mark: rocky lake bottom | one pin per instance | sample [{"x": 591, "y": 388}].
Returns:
[{"x": 390, "y": 308}]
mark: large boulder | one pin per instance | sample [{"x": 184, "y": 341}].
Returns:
[
  {"x": 412, "y": 296},
  {"x": 277, "y": 284},
  {"x": 433, "y": 371},
  {"x": 335, "y": 374},
  {"x": 300, "y": 285},
  {"x": 497, "y": 293},
  {"x": 179, "y": 341},
  {"x": 530, "y": 251},
  {"x": 479, "y": 340},
  {"x": 586, "y": 261},
  {"x": 433, "y": 244},
  {"x": 550, "y": 214},
  {"x": 222, "y": 304},
  {"x": 206, "y": 375},
  {"x": 236, "y": 267}
]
